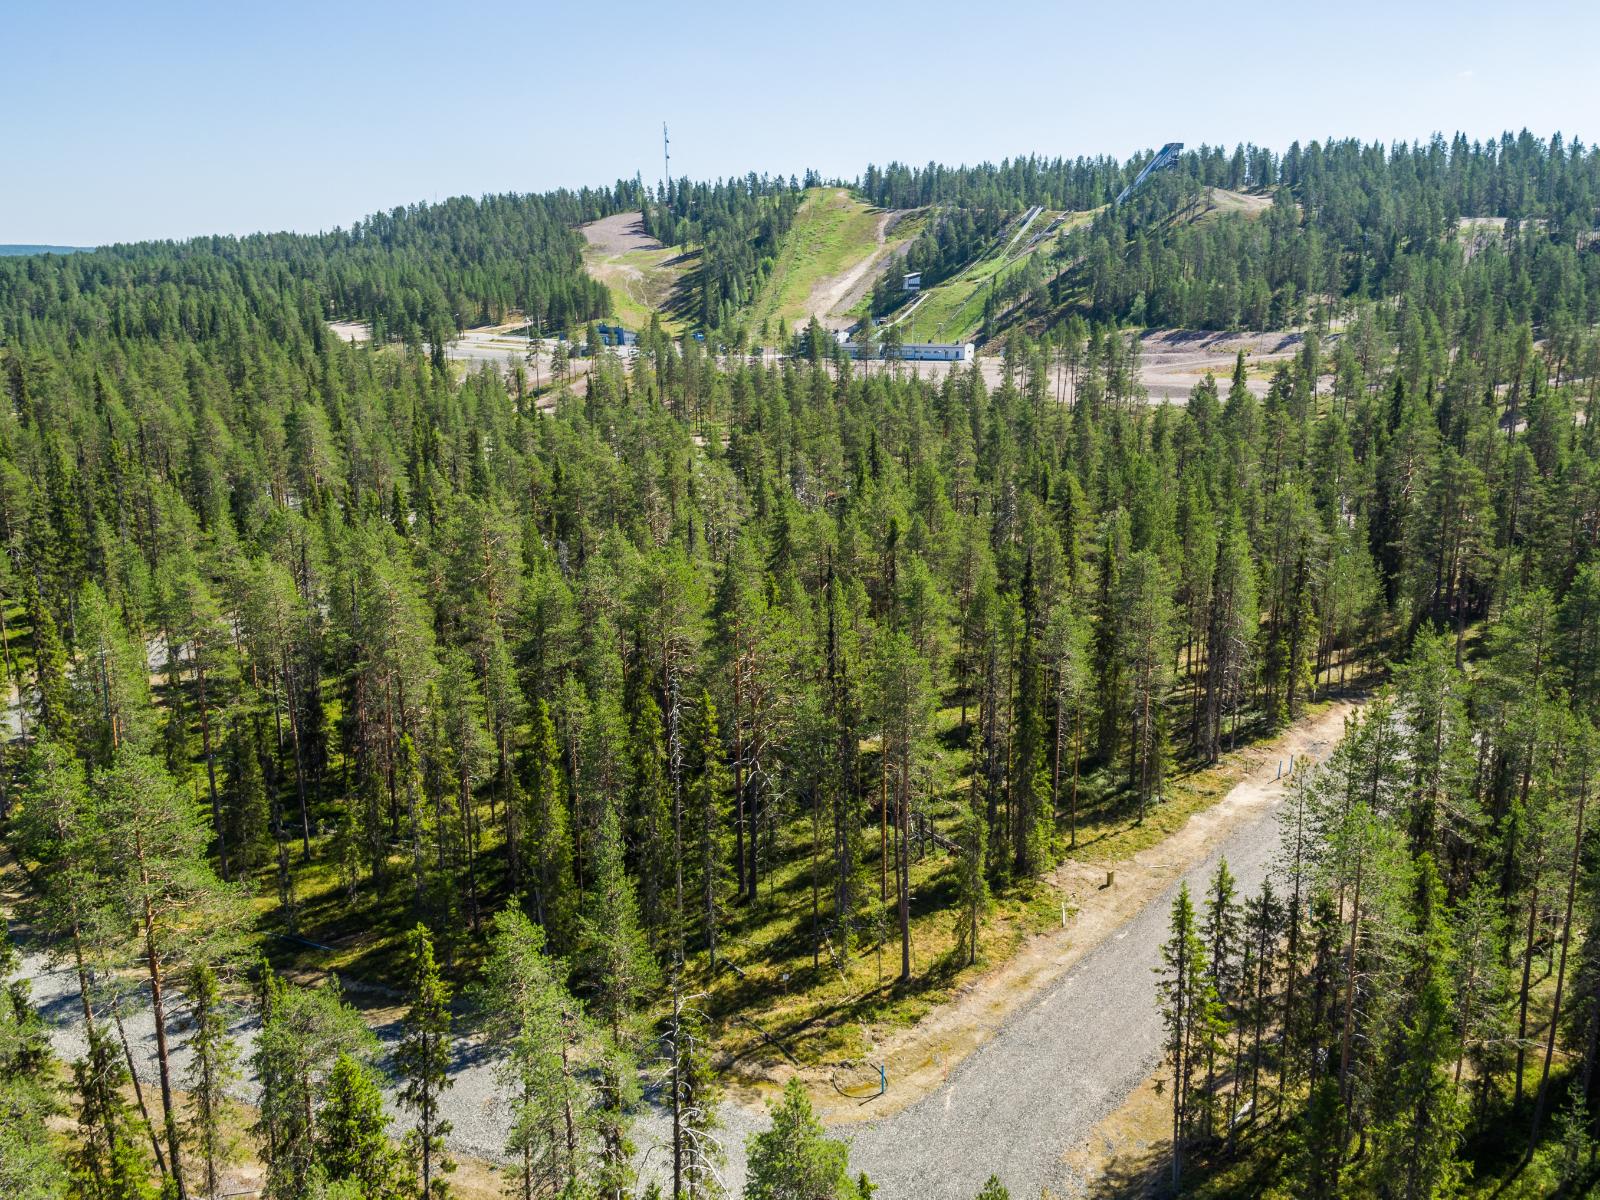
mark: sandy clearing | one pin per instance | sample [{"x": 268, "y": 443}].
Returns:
[
  {"x": 638, "y": 269},
  {"x": 620, "y": 233},
  {"x": 1173, "y": 361},
  {"x": 1251, "y": 204},
  {"x": 352, "y": 331}
]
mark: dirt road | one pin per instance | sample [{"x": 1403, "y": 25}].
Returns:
[
  {"x": 1009, "y": 1078},
  {"x": 833, "y": 298}
]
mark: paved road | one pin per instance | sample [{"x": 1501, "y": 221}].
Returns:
[{"x": 1015, "y": 1107}]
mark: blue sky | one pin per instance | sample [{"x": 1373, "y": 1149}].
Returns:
[{"x": 164, "y": 119}]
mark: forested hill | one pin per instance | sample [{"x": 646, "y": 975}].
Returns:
[
  {"x": 12, "y": 249},
  {"x": 1449, "y": 223},
  {"x": 418, "y": 274},
  {"x": 1443, "y": 224}
]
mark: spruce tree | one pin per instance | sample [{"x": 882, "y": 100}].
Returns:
[
  {"x": 423, "y": 1059},
  {"x": 353, "y": 1141},
  {"x": 705, "y": 834},
  {"x": 530, "y": 1014},
  {"x": 619, "y": 974},
  {"x": 550, "y": 835},
  {"x": 213, "y": 1068}
]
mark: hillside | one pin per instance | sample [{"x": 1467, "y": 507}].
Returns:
[
  {"x": 953, "y": 311},
  {"x": 827, "y": 261},
  {"x": 12, "y": 250},
  {"x": 642, "y": 275}
]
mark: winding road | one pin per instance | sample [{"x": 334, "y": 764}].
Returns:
[{"x": 1060, "y": 1062}]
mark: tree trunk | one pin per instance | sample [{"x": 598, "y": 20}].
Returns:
[
  {"x": 159, "y": 1015},
  {"x": 1561, "y": 974}
]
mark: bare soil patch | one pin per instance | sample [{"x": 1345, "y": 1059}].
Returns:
[
  {"x": 351, "y": 331},
  {"x": 1125, "y": 1154},
  {"x": 1250, "y": 204},
  {"x": 619, "y": 233},
  {"x": 1174, "y": 360},
  {"x": 834, "y": 298}
]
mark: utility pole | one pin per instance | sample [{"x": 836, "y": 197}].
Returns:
[{"x": 666, "y": 164}]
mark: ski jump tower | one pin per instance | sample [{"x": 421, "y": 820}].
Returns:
[{"x": 1165, "y": 157}]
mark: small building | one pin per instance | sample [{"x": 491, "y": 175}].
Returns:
[
  {"x": 937, "y": 352},
  {"x": 616, "y": 335},
  {"x": 911, "y": 281},
  {"x": 922, "y": 351}
]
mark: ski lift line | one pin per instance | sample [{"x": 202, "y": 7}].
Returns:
[{"x": 1028, "y": 219}]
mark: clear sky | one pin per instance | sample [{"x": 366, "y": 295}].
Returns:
[{"x": 165, "y": 119}]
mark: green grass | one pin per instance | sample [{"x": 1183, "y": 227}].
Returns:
[
  {"x": 832, "y": 233},
  {"x": 643, "y": 282},
  {"x": 952, "y": 311}
]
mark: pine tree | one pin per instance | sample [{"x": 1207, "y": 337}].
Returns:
[
  {"x": 704, "y": 834},
  {"x": 1221, "y": 934},
  {"x": 692, "y": 1095},
  {"x": 620, "y": 974},
  {"x": 794, "y": 1159},
  {"x": 31, "y": 1165},
  {"x": 1189, "y": 1014},
  {"x": 1418, "y": 1116},
  {"x": 107, "y": 1164},
  {"x": 303, "y": 1033},
  {"x": 1145, "y": 619},
  {"x": 246, "y": 819},
  {"x": 972, "y": 885},
  {"x": 1032, "y": 817},
  {"x": 180, "y": 912},
  {"x": 651, "y": 821},
  {"x": 423, "y": 1058},
  {"x": 549, "y": 832}
]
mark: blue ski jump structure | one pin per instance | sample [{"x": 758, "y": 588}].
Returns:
[{"x": 1165, "y": 157}]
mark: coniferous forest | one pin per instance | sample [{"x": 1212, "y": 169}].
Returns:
[{"x": 658, "y": 723}]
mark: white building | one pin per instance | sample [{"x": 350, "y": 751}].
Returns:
[
  {"x": 911, "y": 282},
  {"x": 937, "y": 352},
  {"x": 923, "y": 351}
]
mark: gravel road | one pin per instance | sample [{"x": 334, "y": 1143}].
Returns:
[
  {"x": 1057, "y": 1066},
  {"x": 1056, "y": 1069}
]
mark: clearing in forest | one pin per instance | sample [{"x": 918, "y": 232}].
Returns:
[
  {"x": 642, "y": 275},
  {"x": 1221, "y": 201},
  {"x": 952, "y": 310},
  {"x": 829, "y": 260}
]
